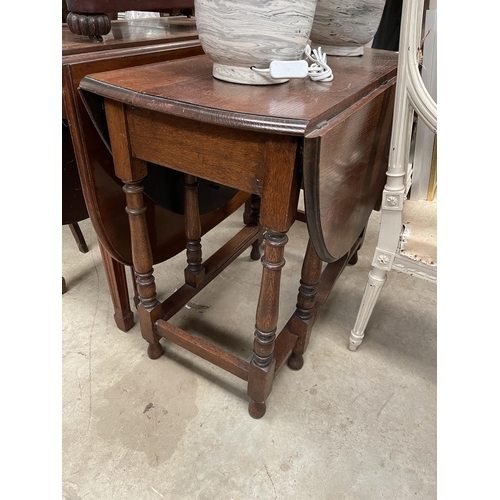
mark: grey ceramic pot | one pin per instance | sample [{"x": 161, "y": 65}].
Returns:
[
  {"x": 343, "y": 27},
  {"x": 240, "y": 34}
]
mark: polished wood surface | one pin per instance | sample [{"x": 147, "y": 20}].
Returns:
[
  {"x": 140, "y": 33},
  {"x": 330, "y": 138},
  {"x": 344, "y": 189},
  {"x": 295, "y": 108},
  {"x": 357, "y": 99}
]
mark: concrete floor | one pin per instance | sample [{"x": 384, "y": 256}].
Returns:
[{"x": 349, "y": 425}]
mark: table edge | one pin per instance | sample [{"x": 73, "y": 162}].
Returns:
[
  {"x": 213, "y": 116},
  {"x": 126, "y": 51}
]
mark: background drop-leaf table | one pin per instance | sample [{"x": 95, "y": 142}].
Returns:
[{"x": 88, "y": 163}]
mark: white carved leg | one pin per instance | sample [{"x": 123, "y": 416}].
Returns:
[
  {"x": 376, "y": 279},
  {"x": 411, "y": 96}
]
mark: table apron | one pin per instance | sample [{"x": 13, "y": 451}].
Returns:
[{"x": 235, "y": 158}]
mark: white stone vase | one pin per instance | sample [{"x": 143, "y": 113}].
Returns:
[
  {"x": 240, "y": 34},
  {"x": 343, "y": 27}
]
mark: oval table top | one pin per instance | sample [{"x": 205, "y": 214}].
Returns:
[{"x": 344, "y": 124}]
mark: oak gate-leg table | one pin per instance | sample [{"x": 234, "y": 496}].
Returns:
[{"x": 331, "y": 139}]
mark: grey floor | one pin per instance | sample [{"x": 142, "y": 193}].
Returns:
[{"x": 349, "y": 425}]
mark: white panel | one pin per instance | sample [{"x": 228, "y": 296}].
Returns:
[{"x": 425, "y": 138}]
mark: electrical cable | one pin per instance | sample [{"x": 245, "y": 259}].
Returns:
[{"x": 318, "y": 71}]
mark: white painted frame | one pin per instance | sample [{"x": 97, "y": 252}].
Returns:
[
  {"x": 411, "y": 97},
  {"x": 424, "y": 140}
]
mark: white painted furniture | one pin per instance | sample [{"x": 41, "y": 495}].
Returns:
[
  {"x": 411, "y": 97},
  {"x": 425, "y": 138}
]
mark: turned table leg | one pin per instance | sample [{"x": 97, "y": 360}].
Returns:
[
  {"x": 251, "y": 217},
  {"x": 194, "y": 272},
  {"x": 303, "y": 318},
  {"x": 261, "y": 373},
  {"x": 131, "y": 171},
  {"x": 134, "y": 284},
  {"x": 354, "y": 257},
  {"x": 149, "y": 308}
]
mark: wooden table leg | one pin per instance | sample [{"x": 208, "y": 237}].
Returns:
[
  {"x": 251, "y": 217},
  {"x": 354, "y": 256},
  {"x": 303, "y": 318},
  {"x": 131, "y": 171},
  {"x": 117, "y": 283},
  {"x": 134, "y": 284},
  {"x": 261, "y": 373},
  {"x": 149, "y": 308},
  {"x": 78, "y": 235},
  {"x": 194, "y": 272},
  {"x": 279, "y": 201}
]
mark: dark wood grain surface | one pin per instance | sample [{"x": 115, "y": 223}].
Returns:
[
  {"x": 296, "y": 107},
  {"x": 344, "y": 171},
  {"x": 345, "y": 124}
]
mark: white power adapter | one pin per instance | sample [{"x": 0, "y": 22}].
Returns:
[
  {"x": 319, "y": 71},
  {"x": 289, "y": 69}
]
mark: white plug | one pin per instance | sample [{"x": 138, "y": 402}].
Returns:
[
  {"x": 319, "y": 71},
  {"x": 289, "y": 69}
]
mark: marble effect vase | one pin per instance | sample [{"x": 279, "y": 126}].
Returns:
[
  {"x": 240, "y": 34},
  {"x": 343, "y": 27}
]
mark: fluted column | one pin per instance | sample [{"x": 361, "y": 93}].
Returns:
[{"x": 376, "y": 279}]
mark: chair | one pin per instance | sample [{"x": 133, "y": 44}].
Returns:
[{"x": 392, "y": 250}]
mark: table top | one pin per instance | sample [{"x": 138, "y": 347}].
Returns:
[
  {"x": 186, "y": 88},
  {"x": 130, "y": 33},
  {"x": 345, "y": 125}
]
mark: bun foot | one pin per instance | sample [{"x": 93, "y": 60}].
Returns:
[
  {"x": 155, "y": 351},
  {"x": 255, "y": 254},
  {"x": 295, "y": 361},
  {"x": 256, "y": 410},
  {"x": 354, "y": 259}
]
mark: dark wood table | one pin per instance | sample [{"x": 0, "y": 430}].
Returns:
[
  {"x": 332, "y": 139},
  {"x": 87, "y": 163}
]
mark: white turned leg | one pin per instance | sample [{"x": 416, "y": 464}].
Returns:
[{"x": 376, "y": 279}]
